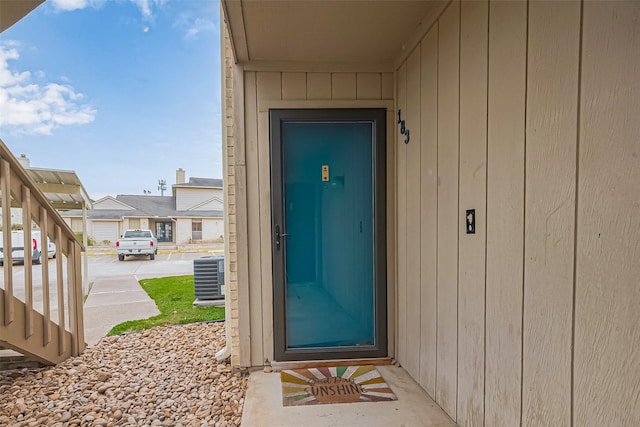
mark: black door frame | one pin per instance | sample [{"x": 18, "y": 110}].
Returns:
[{"x": 376, "y": 116}]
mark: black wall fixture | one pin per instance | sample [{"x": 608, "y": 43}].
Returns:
[{"x": 471, "y": 221}]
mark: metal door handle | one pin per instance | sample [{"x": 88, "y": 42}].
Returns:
[{"x": 278, "y": 236}]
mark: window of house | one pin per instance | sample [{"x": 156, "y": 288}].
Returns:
[{"x": 196, "y": 229}]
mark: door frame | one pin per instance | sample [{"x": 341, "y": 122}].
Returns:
[
  {"x": 171, "y": 227},
  {"x": 378, "y": 116}
]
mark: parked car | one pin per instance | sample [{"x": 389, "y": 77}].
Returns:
[
  {"x": 137, "y": 242},
  {"x": 17, "y": 248},
  {"x": 51, "y": 247}
]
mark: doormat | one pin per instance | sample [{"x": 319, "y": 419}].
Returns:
[{"x": 342, "y": 384}]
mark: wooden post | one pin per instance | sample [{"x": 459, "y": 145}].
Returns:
[
  {"x": 62, "y": 345},
  {"x": 5, "y": 187},
  {"x": 28, "y": 261},
  {"x": 46, "y": 302}
]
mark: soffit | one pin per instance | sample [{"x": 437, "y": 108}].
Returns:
[
  {"x": 11, "y": 11},
  {"x": 337, "y": 31}
]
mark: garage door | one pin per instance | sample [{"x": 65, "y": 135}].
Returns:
[{"x": 105, "y": 231}]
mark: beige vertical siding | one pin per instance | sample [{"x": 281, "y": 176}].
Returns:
[
  {"x": 428, "y": 209},
  {"x": 253, "y": 215},
  {"x": 473, "y": 195},
  {"x": 269, "y": 87},
  {"x": 551, "y": 132},
  {"x": 319, "y": 86},
  {"x": 401, "y": 218},
  {"x": 368, "y": 86},
  {"x": 528, "y": 114},
  {"x": 343, "y": 86},
  {"x": 607, "y": 285},
  {"x": 447, "y": 202},
  {"x": 412, "y": 150},
  {"x": 264, "y": 87},
  {"x": 392, "y": 306},
  {"x": 294, "y": 86},
  {"x": 505, "y": 211}
]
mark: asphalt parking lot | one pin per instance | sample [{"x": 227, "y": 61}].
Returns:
[
  {"x": 167, "y": 263},
  {"x": 105, "y": 265},
  {"x": 115, "y": 295}
]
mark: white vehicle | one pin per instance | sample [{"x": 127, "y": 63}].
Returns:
[
  {"x": 17, "y": 248},
  {"x": 51, "y": 247},
  {"x": 137, "y": 242}
]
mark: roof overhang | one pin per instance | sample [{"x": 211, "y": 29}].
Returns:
[
  {"x": 62, "y": 188},
  {"x": 11, "y": 11},
  {"x": 323, "y": 31},
  {"x": 210, "y": 187}
]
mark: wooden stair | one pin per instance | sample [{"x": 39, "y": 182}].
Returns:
[
  {"x": 45, "y": 344},
  {"x": 34, "y": 334}
]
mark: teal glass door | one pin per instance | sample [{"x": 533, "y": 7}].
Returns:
[{"x": 326, "y": 229}]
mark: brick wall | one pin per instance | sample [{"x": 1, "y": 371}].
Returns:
[{"x": 231, "y": 278}]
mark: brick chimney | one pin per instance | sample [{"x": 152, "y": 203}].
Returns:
[{"x": 180, "y": 176}]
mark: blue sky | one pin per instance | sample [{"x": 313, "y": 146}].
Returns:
[{"x": 123, "y": 92}]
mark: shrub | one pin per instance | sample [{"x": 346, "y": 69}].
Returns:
[{"x": 90, "y": 241}]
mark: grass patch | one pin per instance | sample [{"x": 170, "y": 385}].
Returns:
[{"x": 174, "y": 297}]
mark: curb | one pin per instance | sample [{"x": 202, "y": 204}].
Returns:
[{"x": 163, "y": 251}]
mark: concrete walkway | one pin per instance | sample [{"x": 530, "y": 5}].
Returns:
[{"x": 114, "y": 300}]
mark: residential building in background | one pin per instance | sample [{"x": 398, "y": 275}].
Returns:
[{"x": 192, "y": 214}]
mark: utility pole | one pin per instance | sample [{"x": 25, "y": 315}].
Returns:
[{"x": 162, "y": 185}]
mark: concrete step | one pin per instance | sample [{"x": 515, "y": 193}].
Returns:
[{"x": 10, "y": 360}]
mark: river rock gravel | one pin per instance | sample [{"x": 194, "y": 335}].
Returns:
[{"x": 164, "y": 376}]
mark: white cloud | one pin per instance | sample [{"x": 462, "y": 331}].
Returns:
[
  {"x": 193, "y": 25},
  {"x": 199, "y": 25},
  {"x": 145, "y": 6},
  {"x": 6, "y": 76},
  {"x": 37, "y": 107},
  {"x": 69, "y": 5}
]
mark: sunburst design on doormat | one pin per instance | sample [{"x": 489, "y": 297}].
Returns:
[{"x": 341, "y": 384}]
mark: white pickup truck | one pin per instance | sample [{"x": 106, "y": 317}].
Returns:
[{"x": 137, "y": 242}]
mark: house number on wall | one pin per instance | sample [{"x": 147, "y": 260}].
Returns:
[{"x": 403, "y": 128}]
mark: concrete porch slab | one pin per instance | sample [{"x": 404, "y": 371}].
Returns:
[{"x": 263, "y": 406}]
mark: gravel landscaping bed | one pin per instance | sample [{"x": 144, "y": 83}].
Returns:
[{"x": 164, "y": 376}]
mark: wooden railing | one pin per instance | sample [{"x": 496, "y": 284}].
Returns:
[{"x": 41, "y": 313}]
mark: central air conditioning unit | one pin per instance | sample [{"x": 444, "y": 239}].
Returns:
[{"x": 208, "y": 277}]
